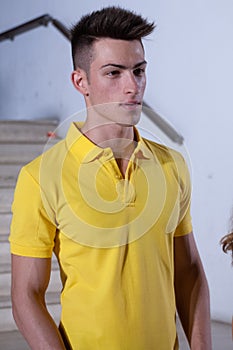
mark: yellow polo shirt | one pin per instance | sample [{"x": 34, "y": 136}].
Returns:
[{"x": 113, "y": 237}]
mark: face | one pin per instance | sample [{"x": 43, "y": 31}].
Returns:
[{"x": 116, "y": 81}]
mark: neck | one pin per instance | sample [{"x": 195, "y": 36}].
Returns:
[{"x": 119, "y": 138}]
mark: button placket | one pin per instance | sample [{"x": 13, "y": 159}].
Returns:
[
  {"x": 128, "y": 188},
  {"x": 124, "y": 186}
]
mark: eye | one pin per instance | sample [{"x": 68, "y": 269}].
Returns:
[
  {"x": 113, "y": 73},
  {"x": 138, "y": 72}
]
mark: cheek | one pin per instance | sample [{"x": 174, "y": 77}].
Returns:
[
  {"x": 107, "y": 87},
  {"x": 143, "y": 85},
  {"x": 111, "y": 89}
]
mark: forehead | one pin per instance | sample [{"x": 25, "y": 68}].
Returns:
[{"x": 107, "y": 51}]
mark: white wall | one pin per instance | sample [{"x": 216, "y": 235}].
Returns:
[
  {"x": 35, "y": 68},
  {"x": 190, "y": 78}
]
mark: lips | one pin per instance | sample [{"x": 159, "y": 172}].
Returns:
[{"x": 131, "y": 104}]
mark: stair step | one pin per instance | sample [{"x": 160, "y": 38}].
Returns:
[
  {"x": 30, "y": 131},
  {"x": 5, "y": 267},
  {"x": 4, "y": 250},
  {"x": 22, "y": 153},
  {"x": 7, "y": 322},
  {"x": 20, "y": 142},
  {"x": 5, "y": 220},
  {"x": 9, "y": 174},
  {"x": 6, "y": 198},
  {"x": 4, "y": 238}
]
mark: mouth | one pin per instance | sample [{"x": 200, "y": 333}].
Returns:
[{"x": 132, "y": 105}]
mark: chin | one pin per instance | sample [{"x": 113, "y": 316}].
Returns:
[
  {"x": 133, "y": 119},
  {"x": 128, "y": 121}
]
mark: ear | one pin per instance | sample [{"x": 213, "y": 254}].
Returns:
[{"x": 79, "y": 80}]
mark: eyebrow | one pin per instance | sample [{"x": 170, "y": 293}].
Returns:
[{"x": 120, "y": 66}]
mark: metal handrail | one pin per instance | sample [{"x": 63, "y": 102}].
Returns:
[
  {"x": 37, "y": 22},
  {"x": 162, "y": 124},
  {"x": 44, "y": 20}
]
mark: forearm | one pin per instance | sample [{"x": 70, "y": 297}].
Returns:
[
  {"x": 199, "y": 323},
  {"x": 194, "y": 309},
  {"x": 36, "y": 324}
]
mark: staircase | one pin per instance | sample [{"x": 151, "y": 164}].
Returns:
[{"x": 20, "y": 142}]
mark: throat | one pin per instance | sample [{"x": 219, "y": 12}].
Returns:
[
  {"x": 122, "y": 165},
  {"x": 123, "y": 156}
]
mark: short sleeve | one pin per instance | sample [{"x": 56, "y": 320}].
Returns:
[
  {"x": 185, "y": 226},
  {"x": 32, "y": 232}
]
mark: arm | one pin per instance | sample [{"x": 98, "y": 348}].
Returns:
[
  {"x": 192, "y": 293},
  {"x": 30, "y": 278}
]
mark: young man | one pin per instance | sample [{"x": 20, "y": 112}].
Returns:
[{"x": 114, "y": 208}]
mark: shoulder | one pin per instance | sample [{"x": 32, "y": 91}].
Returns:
[
  {"x": 172, "y": 162},
  {"x": 163, "y": 153},
  {"x": 47, "y": 163}
]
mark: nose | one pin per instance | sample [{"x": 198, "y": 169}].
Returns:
[{"x": 131, "y": 85}]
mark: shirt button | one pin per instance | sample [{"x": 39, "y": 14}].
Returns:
[{"x": 106, "y": 153}]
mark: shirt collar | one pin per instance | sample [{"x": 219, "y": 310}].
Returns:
[
  {"x": 141, "y": 151},
  {"x": 87, "y": 151}
]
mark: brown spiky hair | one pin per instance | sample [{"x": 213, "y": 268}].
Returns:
[
  {"x": 227, "y": 244},
  {"x": 110, "y": 22}
]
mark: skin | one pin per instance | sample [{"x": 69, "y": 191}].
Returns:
[
  {"x": 30, "y": 278},
  {"x": 113, "y": 94},
  {"x": 192, "y": 293}
]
